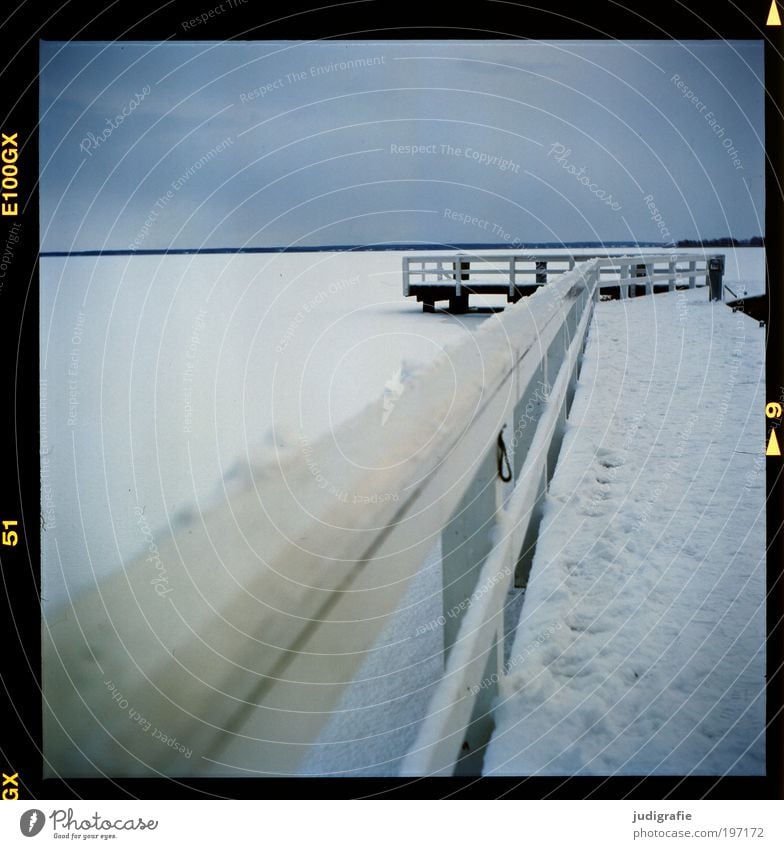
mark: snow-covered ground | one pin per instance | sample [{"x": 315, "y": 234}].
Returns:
[
  {"x": 640, "y": 647},
  {"x": 159, "y": 375}
]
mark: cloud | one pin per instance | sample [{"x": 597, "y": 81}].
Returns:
[{"x": 316, "y": 131}]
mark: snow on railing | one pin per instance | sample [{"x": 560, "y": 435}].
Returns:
[{"x": 228, "y": 652}]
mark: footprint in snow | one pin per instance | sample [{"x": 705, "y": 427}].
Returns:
[
  {"x": 586, "y": 620},
  {"x": 594, "y": 508},
  {"x": 609, "y": 459}
]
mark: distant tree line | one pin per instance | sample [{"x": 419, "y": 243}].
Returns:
[{"x": 723, "y": 242}]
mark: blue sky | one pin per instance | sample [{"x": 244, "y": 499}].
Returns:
[{"x": 263, "y": 144}]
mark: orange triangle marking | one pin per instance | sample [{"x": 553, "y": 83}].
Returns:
[
  {"x": 773, "y": 449},
  {"x": 774, "y": 19}
]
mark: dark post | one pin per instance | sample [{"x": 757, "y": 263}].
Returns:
[
  {"x": 459, "y": 303},
  {"x": 715, "y": 275},
  {"x": 541, "y": 272},
  {"x": 639, "y": 271}
]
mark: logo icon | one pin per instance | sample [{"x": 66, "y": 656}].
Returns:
[{"x": 31, "y": 822}]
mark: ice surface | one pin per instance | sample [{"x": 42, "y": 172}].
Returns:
[
  {"x": 166, "y": 379},
  {"x": 164, "y": 376}
]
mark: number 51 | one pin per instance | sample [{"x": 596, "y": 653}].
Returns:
[{"x": 9, "y": 537}]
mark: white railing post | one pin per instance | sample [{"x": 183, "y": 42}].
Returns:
[
  {"x": 624, "y": 279},
  {"x": 481, "y": 723},
  {"x": 459, "y": 720},
  {"x": 465, "y": 543}
]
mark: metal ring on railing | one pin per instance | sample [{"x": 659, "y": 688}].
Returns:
[{"x": 502, "y": 458}]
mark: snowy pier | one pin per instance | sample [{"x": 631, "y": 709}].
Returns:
[
  {"x": 431, "y": 278},
  {"x": 294, "y": 522},
  {"x": 338, "y": 605},
  {"x": 640, "y": 648}
]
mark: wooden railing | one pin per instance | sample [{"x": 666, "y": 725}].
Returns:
[
  {"x": 459, "y": 719},
  {"x": 628, "y": 275},
  {"x": 433, "y": 277},
  {"x": 272, "y": 599}
]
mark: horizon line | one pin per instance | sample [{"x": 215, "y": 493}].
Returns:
[{"x": 381, "y": 246}]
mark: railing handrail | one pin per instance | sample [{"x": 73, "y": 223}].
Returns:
[
  {"x": 437, "y": 748},
  {"x": 515, "y": 270},
  {"x": 323, "y": 541},
  {"x": 325, "y": 538}
]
